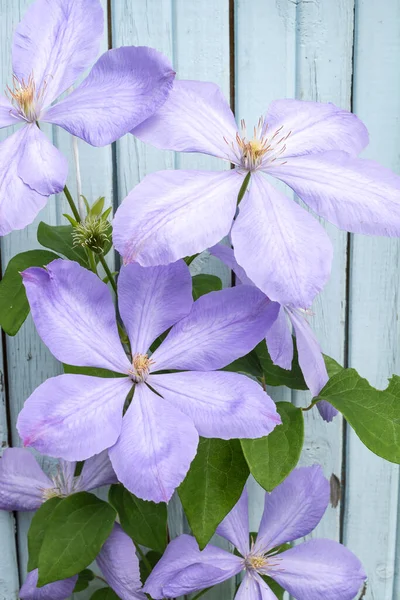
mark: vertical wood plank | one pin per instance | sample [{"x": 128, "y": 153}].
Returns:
[{"x": 373, "y": 484}]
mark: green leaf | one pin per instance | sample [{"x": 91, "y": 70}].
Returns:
[
  {"x": 248, "y": 364},
  {"x": 273, "y": 457},
  {"x": 84, "y": 578},
  {"x": 145, "y": 522},
  {"x": 373, "y": 414},
  {"x": 77, "y": 529},
  {"x": 203, "y": 284},
  {"x": 213, "y": 485},
  {"x": 97, "y": 207},
  {"x": 104, "y": 594},
  {"x": 275, "y": 375},
  {"x": 59, "y": 238},
  {"x": 37, "y": 530},
  {"x": 332, "y": 366},
  {"x": 93, "y": 371},
  {"x": 153, "y": 558},
  {"x": 14, "y": 306},
  {"x": 275, "y": 587}
]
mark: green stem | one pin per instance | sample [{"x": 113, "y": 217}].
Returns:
[
  {"x": 72, "y": 204},
  {"x": 108, "y": 272},
  {"x": 243, "y": 187},
  {"x": 313, "y": 403},
  {"x": 144, "y": 558},
  {"x": 201, "y": 593},
  {"x": 92, "y": 262}
]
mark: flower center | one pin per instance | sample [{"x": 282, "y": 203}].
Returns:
[
  {"x": 63, "y": 486},
  {"x": 25, "y": 98},
  {"x": 255, "y": 563},
  {"x": 140, "y": 370},
  {"x": 263, "y": 148}
]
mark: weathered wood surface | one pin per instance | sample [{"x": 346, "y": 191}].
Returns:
[{"x": 347, "y": 52}]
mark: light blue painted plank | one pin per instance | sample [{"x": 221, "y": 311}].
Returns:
[{"x": 372, "y": 502}]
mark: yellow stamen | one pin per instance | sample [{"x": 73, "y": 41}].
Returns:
[
  {"x": 256, "y": 562},
  {"x": 26, "y": 99},
  {"x": 141, "y": 364}
]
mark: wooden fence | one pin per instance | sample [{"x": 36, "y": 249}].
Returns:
[{"x": 344, "y": 51}]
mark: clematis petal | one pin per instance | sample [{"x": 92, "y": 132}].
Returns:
[
  {"x": 183, "y": 553},
  {"x": 126, "y": 86},
  {"x": 254, "y": 588},
  {"x": 19, "y": 204},
  {"x": 8, "y": 115},
  {"x": 152, "y": 299},
  {"x": 74, "y": 416},
  {"x": 315, "y": 127},
  {"x": 172, "y": 214},
  {"x": 155, "y": 448},
  {"x": 282, "y": 248},
  {"x": 354, "y": 194},
  {"x": 55, "y": 42},
  {"x": 75, "y": 316},
  {"x": 280, "y": 342},
  {"x": 59, "y": 590},
  {"x": 294, "y": 508},
  {"x": 22, "y": 481},
  {"x": 195, "y": 118},
  {"x": 41, "y": 166},
  {"x": 235, "y": 526},
  {"x": 221, "y": 405},
  {"x": 319, "y": 569},
  {"x": 97, "y": 471},
  {"x": 227, "y": 256},
  {"x": 326, "y": 410},
  {"x": 120, "y": 565},
  {"x": 221, "y": 327}
]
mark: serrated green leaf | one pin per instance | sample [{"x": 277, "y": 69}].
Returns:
[
  {"x": 213, "y": 485},
  {"x": 84, "y": 578},
  {"x": 273, "y": 457},
  {"x": 275, "y": 375},
  {"x": 77, "y": 529},
  {"x": 59, "y": 239},
  {"x": 203, "y": 284},
  {"x": 104, "y": 594},
  {"x": 37, "y": 529},
  {"x": 145, "y": 522},
  {"x": 373, "y": 414},
  {"x": 14, "y": 306}
]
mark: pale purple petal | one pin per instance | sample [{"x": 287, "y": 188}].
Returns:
[
  {"x": 282, "y": 248},
  {"x": 221, "y": 405},
  {"x": 55, "y": 42},
  {"x": 354, "y": 194},
  {"x": 22, "y": 481},
  {"x": 319, "y": 569},
  {"x": 59, "y": 590},
  {"x": 221, "y": 327},
  {"x": 8, "y": 115},
  {"x": 97, "y": 471},
  {"x": 19, "y": 204},
  {"x": 74, "y": 416},
  {"x": 254, "y": 588},
  {"x": 41, "y": 166},
  {"x": 280, "y": 342},
  {"x": 235, "y": 526},
  {"x": 172, "y": 214},
  {"x": 155, "y": 448},
  {"x": 75, "y": 316},
  {"x": 120, "y": 566},
  {"x": 125, "y": 87},
  {"x": 152, "y": 299},
  {"x": 195, "y": 118},
  {"x": 315, "y": 127},
  {"x": 326, "y": 410},
  {"x": 294, "y": 508},
  {"x": 227, "y": 256},
  {"x": 180, "y": 555}
]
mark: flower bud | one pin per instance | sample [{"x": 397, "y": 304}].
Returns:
[{"x": 93, "y": 233}]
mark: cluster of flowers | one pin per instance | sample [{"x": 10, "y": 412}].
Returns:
[{"x": 176, "y": 389}]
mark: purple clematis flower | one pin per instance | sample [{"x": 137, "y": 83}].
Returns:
[
  {"x": 24, "y": 486},
  {"x": 118, "y": 563},
  {"x": 152, "y": 444},
  {"x": 53, "y": 45},
  {"x": 310, "y": 146},
  {"x": 311, "y": 571},
  {"x": 279, "y": 338}
]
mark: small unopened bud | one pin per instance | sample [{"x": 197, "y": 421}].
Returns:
[{"x": 93, "y": 233}]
